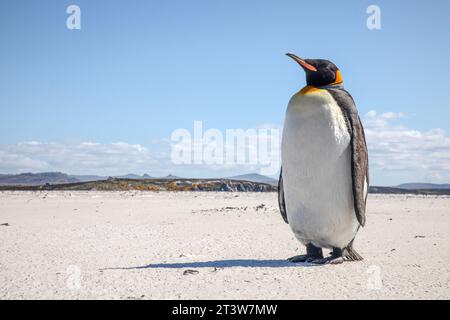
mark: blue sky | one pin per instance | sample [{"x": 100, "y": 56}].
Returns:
[{"x": 137, "y": 70}]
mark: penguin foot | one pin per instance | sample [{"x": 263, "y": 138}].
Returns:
[
  {"x": 302, "y": 258},
  {"x": 329, "y": 260},
  {"x": 312, "y": 253},
  {"x": 336, "y": 257}
]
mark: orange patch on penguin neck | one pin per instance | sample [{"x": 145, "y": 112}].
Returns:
[
  {"x": 309, "y": 89},
  {"x": 338, "y": 78}
]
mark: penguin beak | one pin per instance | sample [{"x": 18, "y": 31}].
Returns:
[{"x": 301, "y": 62}]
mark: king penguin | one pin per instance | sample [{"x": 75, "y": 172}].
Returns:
[{"x": 324, "y": 178}]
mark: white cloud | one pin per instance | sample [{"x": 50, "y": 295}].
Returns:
[
  {"x": 77, "y": 158},
  {"x": 403, "y": 154},
  {"x": 391, "y": 115}
]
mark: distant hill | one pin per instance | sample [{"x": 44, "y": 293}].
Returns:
[
  {"x": 38, "y": 179},
  {"x": 30, "y": 179},
  {"x": 394, "y": 190},
  {"x": 169, "y": 177},
  {"x": 134, "y": 176},
  {"x": 84, "y": 178},
  {"x": 420, "y": 185},
  {"x": 255, "y": 177}
]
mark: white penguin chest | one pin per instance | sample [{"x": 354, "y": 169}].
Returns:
[{"x": 317, "y": 178}]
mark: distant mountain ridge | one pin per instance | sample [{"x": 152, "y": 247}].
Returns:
[
  {"x": 422, "y": 185},
  {"x": 42, "y": 178},
  {"x": 36, "y": 179},
  {"x": 134, "y": 176},
  {"x": 30, "y": 179},
  {"x": 255, "y": 177},
  {"x": 170, "y": 177},
  {"x": 84, "y": 178}
]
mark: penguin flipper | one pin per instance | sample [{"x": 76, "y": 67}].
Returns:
[
  {"x": 359, "y": 155},
  {"x": 281, "y": 202},
  {"x": 360, "y": 168}
]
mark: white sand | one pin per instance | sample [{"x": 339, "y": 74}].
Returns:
[{"x": 78, "y": 245}]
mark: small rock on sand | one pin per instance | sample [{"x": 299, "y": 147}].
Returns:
[{"x": 189, "y": 271}]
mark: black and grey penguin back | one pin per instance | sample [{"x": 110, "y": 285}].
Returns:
[{"x": 359, "y": 154}]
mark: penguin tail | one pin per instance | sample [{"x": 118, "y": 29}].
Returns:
[{"x": 350, "y": 253}]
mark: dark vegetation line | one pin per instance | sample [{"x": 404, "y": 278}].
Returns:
[{"x": 116, "y": 184}]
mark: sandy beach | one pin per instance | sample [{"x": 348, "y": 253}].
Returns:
[{"x": 198, "y": 245}]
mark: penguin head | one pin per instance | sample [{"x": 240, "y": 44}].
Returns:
[{"x": 319, "y": 72}]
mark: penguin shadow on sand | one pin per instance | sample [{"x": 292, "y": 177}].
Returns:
[{"x": 220, "y": 264}]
